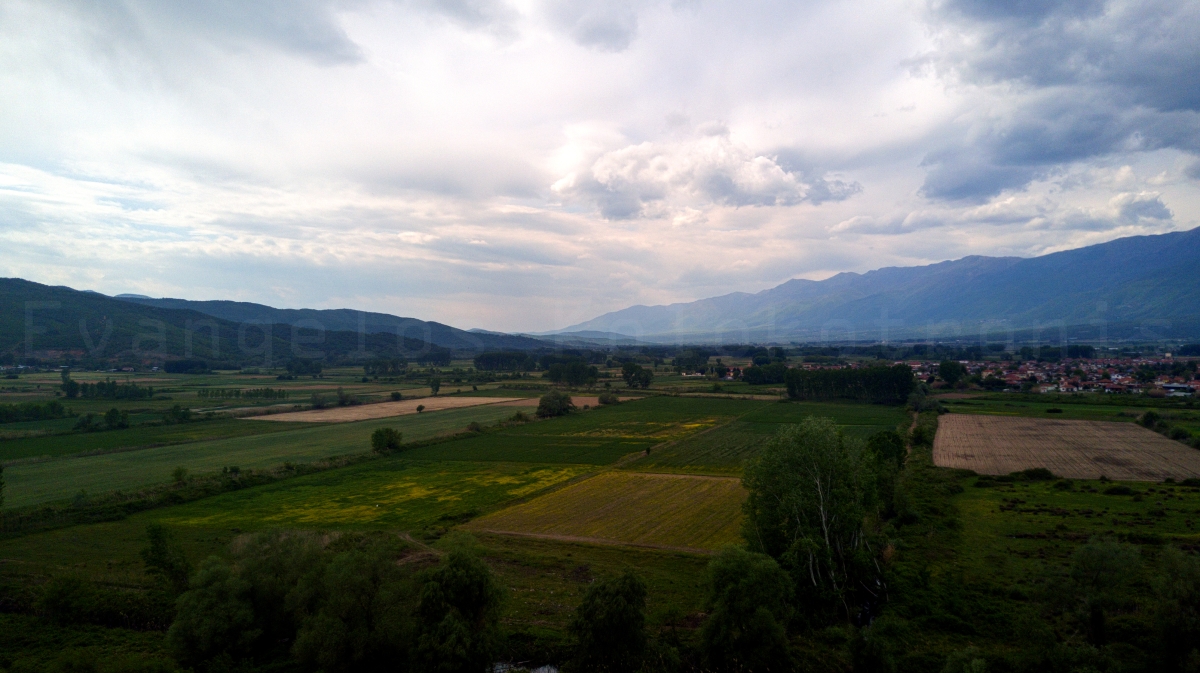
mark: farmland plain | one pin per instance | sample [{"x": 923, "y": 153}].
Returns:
[{"x": 63, "y": 478}]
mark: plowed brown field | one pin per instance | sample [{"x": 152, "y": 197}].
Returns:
[{"x": 1068, "y": 448}]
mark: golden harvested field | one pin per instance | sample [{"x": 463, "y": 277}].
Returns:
[
  {"x": 1068, "y": 448},
  {"x": 667, "y": 511},
  {"x": 365, "y": 412}
]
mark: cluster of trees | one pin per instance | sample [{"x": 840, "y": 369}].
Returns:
[
  {"x": 776, "y": 372},
  {"x": 1153, "y": 420},
  {"x": 238, "y": 393},
  {"x": 185, "y": 367},
  {"x": 359, "y": 603},
  {"x": 636, "y": 376},
  {"x": 573, "y": 372},
  {"x": 692, "y": 360},
  {"x": 341, "y": 398},
  {"x": 32, "y": 411},
  {"x": 385, "y": 367},
  {"x": 304, "y": 367},
  {"x": 951, "y": 371},
  {"x": 103, "y": 390},
  {"x": 113, "y": 419},
  {"x": 505, "y": 361},
  {"x": 880, "y": 385}
]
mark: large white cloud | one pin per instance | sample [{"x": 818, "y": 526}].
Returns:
[{"x": 528, "y": 164}]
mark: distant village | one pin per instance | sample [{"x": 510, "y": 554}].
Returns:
[{"x": 1158, "y": 377}]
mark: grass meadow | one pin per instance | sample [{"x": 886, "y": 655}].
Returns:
[{"x": 34, "y": 483}]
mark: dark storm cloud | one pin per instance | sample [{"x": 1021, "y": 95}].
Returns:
[{"x": 1088, "y": 79}]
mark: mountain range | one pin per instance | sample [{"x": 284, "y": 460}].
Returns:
[
  {"x": 1140, "y": 287},
  {"x": 44, "y": 321}
]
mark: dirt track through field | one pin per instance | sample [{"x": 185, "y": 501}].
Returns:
[
  {"x": 1068, "y": 448},
  {"x": 386, "y": 409}
]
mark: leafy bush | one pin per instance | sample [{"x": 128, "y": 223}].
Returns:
[
  {"x": 396, "y": 396},
  {"x": 385, "y": 440},
  {"x": 555, "y": 403},
  {"x": 609, "y": 397}
]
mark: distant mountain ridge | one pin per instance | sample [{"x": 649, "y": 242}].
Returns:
[
  {"x": 347, "y": 320},
  {"x": 44, "y": 321},
  {"x": 1140, "y": 286}
]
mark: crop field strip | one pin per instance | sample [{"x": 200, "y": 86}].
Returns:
[
  {"x": 63, "y": 478},
  {"x": 1069, "y": 448},
  {"x": 664, "y": 511},
  {"x": 724, "y": 449},
  {"x": 364, "y": 412},
  {"x": 132, "y": 438},
  {"x": 393, "y": 493}
]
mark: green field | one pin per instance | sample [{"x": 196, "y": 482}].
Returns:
[
  {"x": 136, "y": 437},
  {"x": 722, "y": 450},
  {"x": 64, "y": 477},
  {"x": 393, "y": 493},
  {"x": 599, "y": 436}
]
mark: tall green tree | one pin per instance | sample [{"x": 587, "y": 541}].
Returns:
[
  {"x": 458, "y": 616},
  {"x": 748, "y": 609},
  {"x": 951, "y": 371},
  {"x": 609, "y": 626},
  {"x": 810, "y": 491}
]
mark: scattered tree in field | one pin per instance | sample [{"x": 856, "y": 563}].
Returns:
[
  {"x": 748, "y": 610},
  {"x": 636, "y": 376},
  {"x": 609, "y": 626},
  {"x": 555, "y": 403},
  {"x": 397, "y": 396},
  {"x": 608, "y": 397},
  {"x": 810, "y": 491},
  {"x": 385, "y": 440},
  {"x": 115, "y": 419},
  {"x": 420, "y": 408},
  {"x": 70, "y": 388},
  {"x": 435, "y": 384}
]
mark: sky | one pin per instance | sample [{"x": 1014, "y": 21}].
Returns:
[{"x": 528, "y": 165}]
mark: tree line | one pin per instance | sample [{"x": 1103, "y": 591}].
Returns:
[{"x": 880, "y": 385}]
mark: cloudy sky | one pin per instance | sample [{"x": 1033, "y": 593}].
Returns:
[{"x": 531, "y": 164}]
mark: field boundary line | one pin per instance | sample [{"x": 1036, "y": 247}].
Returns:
[{"x": 597, "y": 540}]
